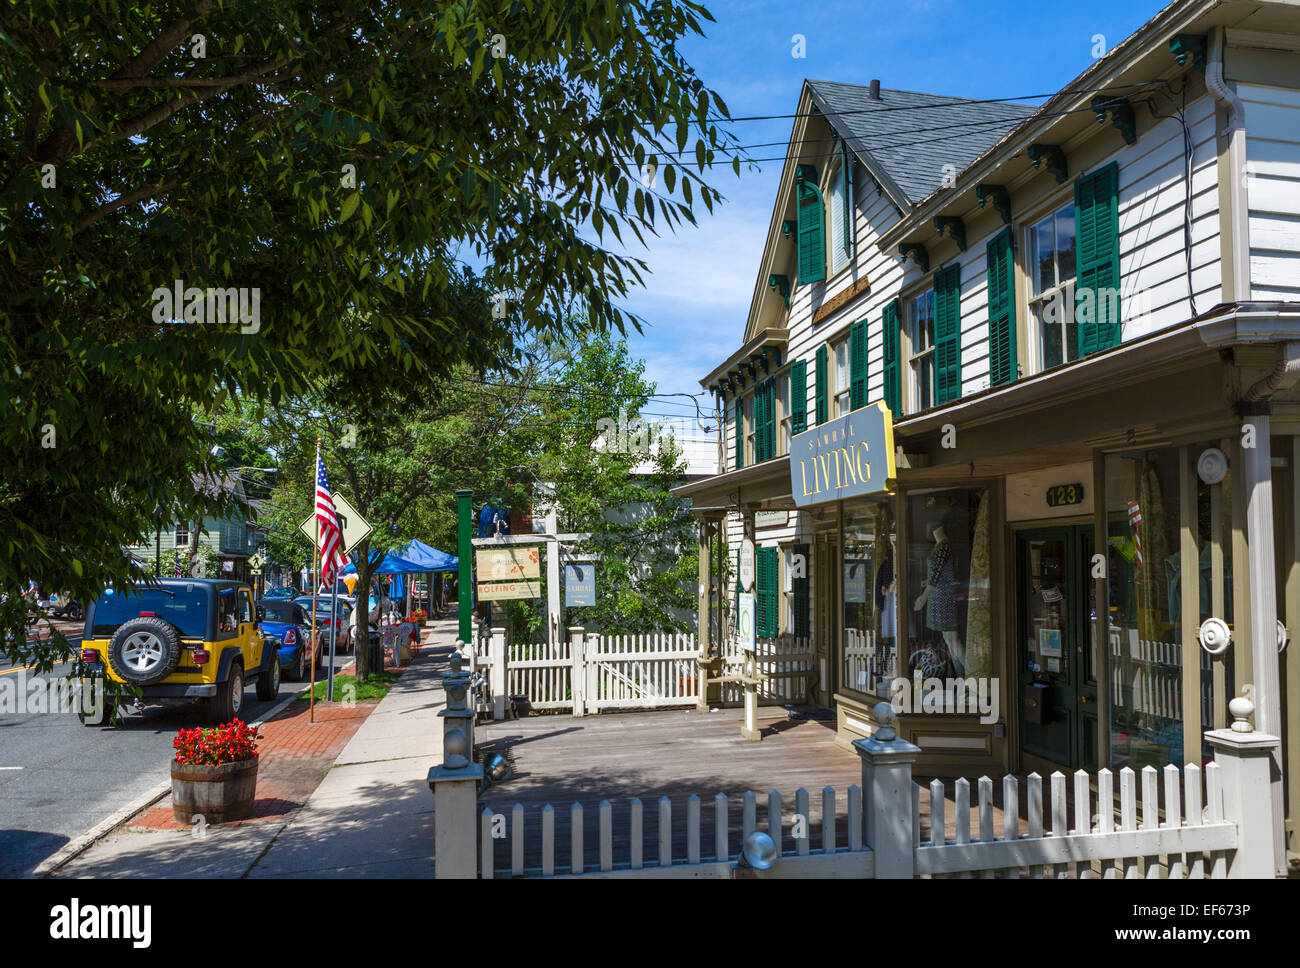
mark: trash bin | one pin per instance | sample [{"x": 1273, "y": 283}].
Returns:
[{"x": 376, "y": 651}]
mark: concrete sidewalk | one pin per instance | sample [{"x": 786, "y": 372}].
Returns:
[{"x": 372, "y": 815}]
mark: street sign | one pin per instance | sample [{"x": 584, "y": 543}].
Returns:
[
  {"x": 256, "y": 563},
  {"x": 355, "y": 528}
]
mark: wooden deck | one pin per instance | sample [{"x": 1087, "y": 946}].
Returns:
[{"x": 560, "y": 760}]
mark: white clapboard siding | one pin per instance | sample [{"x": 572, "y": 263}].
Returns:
[{"x": 1273, "y": 189}]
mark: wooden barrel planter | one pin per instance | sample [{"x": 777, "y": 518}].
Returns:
[{"x": 220, "y": 793}]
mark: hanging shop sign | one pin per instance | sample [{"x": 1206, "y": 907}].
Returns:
[
  {"x": 745, "y": 620},
  {"x": 849, "y": 456},
  {"x": 580, "y": 584},
  {"x": 506, "y": 573},
  {"x": 771, "y": 519}
]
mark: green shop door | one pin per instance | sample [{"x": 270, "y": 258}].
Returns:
[{"x": 1057, "y": 679}]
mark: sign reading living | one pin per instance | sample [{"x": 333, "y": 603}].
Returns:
[{"x": 846, "y": 457}]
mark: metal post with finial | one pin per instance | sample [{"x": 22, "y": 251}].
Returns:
[{"x": 455, "y": 782}]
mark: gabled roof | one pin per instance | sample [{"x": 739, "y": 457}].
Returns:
[{"x": 884, "y": 134}]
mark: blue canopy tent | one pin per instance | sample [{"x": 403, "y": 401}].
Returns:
[
  {"x": 415, "y": 558},
  {"x": 429, "y": 557}
]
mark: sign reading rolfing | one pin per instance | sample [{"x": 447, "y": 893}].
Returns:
[
  {"x": 505, "y": 573},
  {"x": 850, "y": 456}
]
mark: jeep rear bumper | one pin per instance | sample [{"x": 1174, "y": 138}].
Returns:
[{"x": 179, "y": 691}]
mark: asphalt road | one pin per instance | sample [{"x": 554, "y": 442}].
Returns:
[{"x": 59, "y": 778}]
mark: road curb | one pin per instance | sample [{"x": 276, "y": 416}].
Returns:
[{"x": 83, "y": 842}]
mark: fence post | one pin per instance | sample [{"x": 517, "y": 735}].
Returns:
[
  {"x": 887, "y": 786},
  {"x": 1245, "y": 760},
  {"x": 498, "y": 673},
  {"x": 578, "y": 675},
  {"x": 590, "y": 645},
  {"x": 454, "y": 785}
]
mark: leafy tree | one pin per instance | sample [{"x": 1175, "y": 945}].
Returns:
[{"x": 331, "y": 158}]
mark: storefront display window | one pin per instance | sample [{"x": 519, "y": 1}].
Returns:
[
  {"x": 1144, "y": 637},
  {"x": 870, "y": 653},
  {"x": 947, "y": 558}
]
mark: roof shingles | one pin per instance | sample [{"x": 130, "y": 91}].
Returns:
[{"x": 910, "y": 136}]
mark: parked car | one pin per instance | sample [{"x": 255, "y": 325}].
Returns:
[
  {"x": 288, "y": 630},
  {"x": 325, "y": 618},
  {"x": 288, "y": 592},
  {"x": 182, "y": 639}
]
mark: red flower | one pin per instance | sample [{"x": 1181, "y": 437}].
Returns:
[{"x": 230, "y": 742}]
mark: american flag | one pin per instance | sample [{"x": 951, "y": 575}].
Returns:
[
  {"x": 331, "y": 539},
  {"x": 1134, "y": 523}
]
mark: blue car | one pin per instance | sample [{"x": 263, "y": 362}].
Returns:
[{"x": 286, "y": 627}]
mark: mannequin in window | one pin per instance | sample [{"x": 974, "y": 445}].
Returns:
[
  {"x": 887, "y": 606},
  {"x": 939, "y": 598}
]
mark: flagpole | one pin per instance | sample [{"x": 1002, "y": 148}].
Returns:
[{"x": 311, "y": 694}]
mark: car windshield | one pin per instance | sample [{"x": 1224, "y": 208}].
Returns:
[
  {"x": 281, "y": 611},
  {"x": 185, "y": 607}
]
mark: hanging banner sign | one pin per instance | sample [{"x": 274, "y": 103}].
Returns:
[
  {"x": 850, "y": 456},
  {"x": 745, "y": 617},
  {"x": 580, "y": 584},
  {"x": 496, "y": 591},
  {"x": 507, "y": 564}
]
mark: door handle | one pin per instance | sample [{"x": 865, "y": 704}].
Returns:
[{"x": 1085, "y": 699}]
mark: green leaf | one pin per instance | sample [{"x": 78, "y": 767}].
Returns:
[{"x": 349, "y": 206}]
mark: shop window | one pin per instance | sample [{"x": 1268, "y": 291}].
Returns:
[
  {"x": 1144, "y": 630},
  {"x": 1051, "y": 270},
  {"x": 947, "y": 560},
  {"x": 869, "y": 652}
]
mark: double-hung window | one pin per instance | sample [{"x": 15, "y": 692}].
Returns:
[
  {"x": 750, "y": 453},
  {"x": 1052, "y": 256},
  {"x": 182, "y": 537},
  {"x": 783, "y": 410},
  {"x": 841, "y": 378},
  {"x": 920, "y": 321}
]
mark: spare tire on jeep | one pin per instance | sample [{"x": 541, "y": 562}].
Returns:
[{"x": 144, "y": 650}]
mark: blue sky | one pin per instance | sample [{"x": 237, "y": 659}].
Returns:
[{"x": 697, "y": 297}]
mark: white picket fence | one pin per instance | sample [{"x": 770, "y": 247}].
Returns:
[
  {"x": 786, "y": 664},
  {"x": 865, "y": 664},
  {"x": 652, "y": 671},
  {"x": 1147, "y": 677},
  {"x": 1190, "y": 841},
  {"x": 1212, "y": 823}
]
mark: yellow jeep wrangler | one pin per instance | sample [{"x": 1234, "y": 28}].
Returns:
[{"x": 180, "y": 639}]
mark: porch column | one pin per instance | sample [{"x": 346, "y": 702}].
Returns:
[
  {"x": 703, "y": 615},
  {"x": 1258, "y": 460}
]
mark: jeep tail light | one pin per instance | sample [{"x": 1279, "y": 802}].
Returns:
[
  {"x": 89, "y": 655},
  {"x": 201, "y": 656},
  {"x": 148, "y": 614},
  {"x": 290, "y": 637}
]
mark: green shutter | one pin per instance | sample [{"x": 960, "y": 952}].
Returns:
[
  {"x": 799, "y": 587},
  {"x": 858, "y": 365},
  {"x": 812, "y": 235},
  {"x": 889, "y": 340},
  {"x": 740, "y": 433},
  {"x": 947, "y": 334},
  {"x": 821, "y": 384},
  {"x": 1002, "y": 308},
  {"x": 1096, "y": 212},
  {"x": 767, "y": 578},
  {"x": 764, "y": 422},
  {"x": 798, "y": 396}
]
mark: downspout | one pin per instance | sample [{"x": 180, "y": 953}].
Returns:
[
  {"x": 1255, "y": 409},
  {"x": 1235, "y": 133}
]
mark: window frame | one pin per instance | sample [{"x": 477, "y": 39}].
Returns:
[
  {"x": 1062, "y": 289},
  {"x": 840, "y": 349},
  {"x": 913, "y": 401},
  {"x": 182, "y": 529}
]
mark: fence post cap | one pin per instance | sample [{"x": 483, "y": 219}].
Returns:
[
  {"x": 1242, "y": 709},
  {"x": 884, "y": 715}
]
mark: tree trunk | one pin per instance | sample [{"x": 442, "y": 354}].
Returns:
[{"x": 361, "y": 647}]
